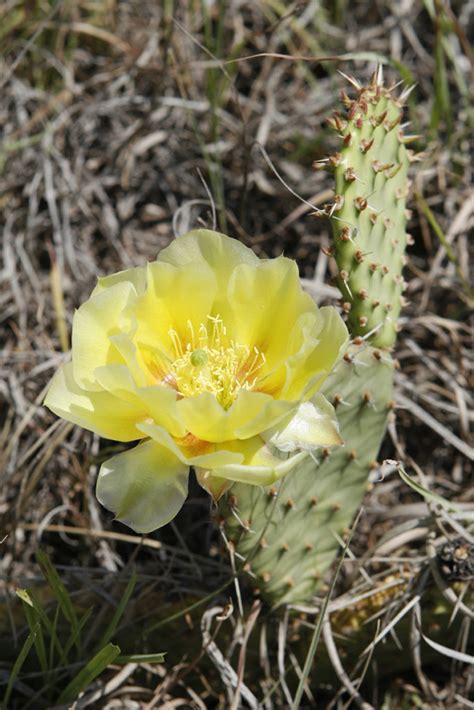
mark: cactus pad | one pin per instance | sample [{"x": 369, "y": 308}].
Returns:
[
  {"x": 287, "y": 535},
  {"x": 369, "y": 211}
]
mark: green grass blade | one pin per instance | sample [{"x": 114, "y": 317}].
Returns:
[
  {"x": 89, "y": 673},
  {"x": 461, "y": 83},
  {"x": 76, "y": 635},
  {"x": 434, "y": 224},
  {"x": 62, "y": 595},
  {"x": 55, "y": 642},
  {"x": 21, "y": 658},
  {"x": 53, "y": 674},
  {"x": 50, "y": 628},
  {"x": 441, "y": 105},
  {"x": 33, "y": 621},
  {"x": 188, "y": 609},
  {"x": 425, "y": 493},
  {"x": 111, "y": 628}
]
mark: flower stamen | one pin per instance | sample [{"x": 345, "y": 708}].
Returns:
[{"x": 213, "y": 364}]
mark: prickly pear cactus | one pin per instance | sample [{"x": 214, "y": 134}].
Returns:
[
  {"x": 287, "y": 536},
  {"x": 369, "y": 210}
]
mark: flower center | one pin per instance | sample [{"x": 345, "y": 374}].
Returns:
[{"x": 207, "y": 361}]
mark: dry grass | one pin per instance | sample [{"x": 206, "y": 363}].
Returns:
[{"x": 124, "y": 124}]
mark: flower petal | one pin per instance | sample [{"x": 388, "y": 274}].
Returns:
[
  {"x": 194, "y": 452},
  {"x": 321, "y": 349},
  {"x": 135, "y": 276},
  {"x": 249, "y": 461},
  {"x": 145, "y": 487},
  {"x": 251, "y": 413},
  {"x": 313, "y": 425},
  {"x": 155, "y": 401},
  {"x": 270, "y": 295},
  {"x": 215, "y": 486},
  {"x": 94, "y": 322},
  {"x": 100, "y": 412},
  {"x": 268, "y": 414},
  {"x": 174, "y": 298},
  {"x": 160, "y": 403},
  {"x": 261, "y": 467},
  {"x": 118, "y": 380},
  {"x": 220, "y": 252},
  {"x": 132, "y": 358}
]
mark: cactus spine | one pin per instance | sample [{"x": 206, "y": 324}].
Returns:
[{"x": 287, "y": 536}]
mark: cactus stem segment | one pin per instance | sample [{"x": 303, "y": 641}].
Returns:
[{"x": 373, "y": 153}]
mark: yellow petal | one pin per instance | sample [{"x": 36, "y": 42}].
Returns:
[
  {"x": 118, "y": 381},
  {"x": 135, "y": 276},
  {"x": 314, "y": 425},
  {"x": 156, "y": 402},
  {"x": 202, "y": 453},
  {"x": 94, "y": 322},
  {"x": 270, "y": 295},
  {"x": 322, "y": 347},
  {"x": 145, "y": 487},
  {"x": 261, "y": 467},
  {"x": 100, "y": 412},
  {"x": 215, "y": 486},
  {"x": 268, "y": 414},
  {"x": 299, "y": 337},
  {"x": 132, "y": 357},
  {"x": 174, "y": 298},
  {"x": 251, "y": 413},
  {"x": 160, "y": 403},
  {"x": 203, "y": 246}
]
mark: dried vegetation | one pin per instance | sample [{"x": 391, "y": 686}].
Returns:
[{"x": 125, "y": 124}]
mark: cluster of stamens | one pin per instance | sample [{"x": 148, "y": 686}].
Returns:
[{"x": 208, "y": 361}]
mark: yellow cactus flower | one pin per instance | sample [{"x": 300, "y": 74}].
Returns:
[{"x": 213, "y": 358}]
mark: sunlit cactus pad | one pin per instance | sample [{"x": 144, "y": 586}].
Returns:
[
  {"x": 286, "y": 536},
  {"x": 369, "y": 211}
]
